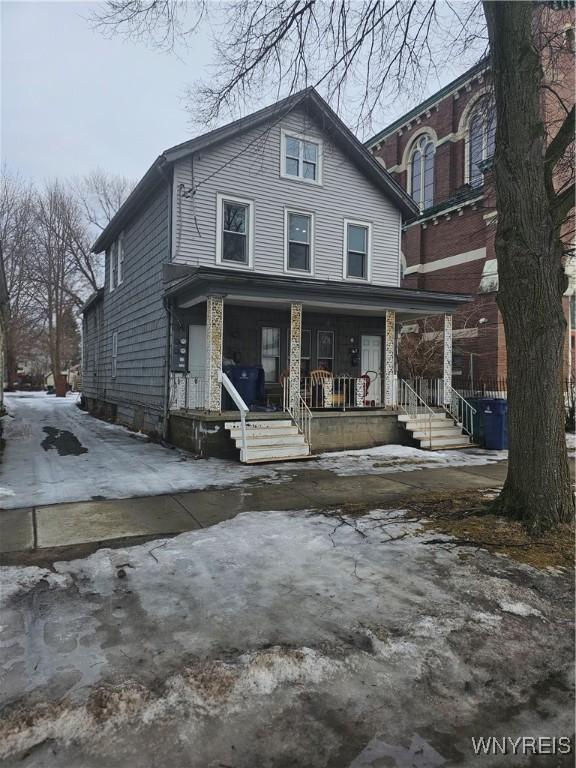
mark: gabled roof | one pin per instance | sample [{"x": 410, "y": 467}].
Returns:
[
  {"x": 318, "y": 108},
  {"x": 93, "y": 299},
  {"x": 429, "y": 102}
]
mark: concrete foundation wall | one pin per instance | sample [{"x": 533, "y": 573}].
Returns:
[{"x": 331, "y": 431}]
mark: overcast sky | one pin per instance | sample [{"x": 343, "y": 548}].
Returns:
[{"x": 73, "y": 100}]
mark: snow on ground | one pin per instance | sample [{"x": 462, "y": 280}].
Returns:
[
  {"x": 56, "y": 453},
  {"x": 281, "y": 639}
]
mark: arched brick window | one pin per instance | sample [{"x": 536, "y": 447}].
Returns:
[
  {"x": 422, "y": 172},
  {"x": 481, "y": 134}
]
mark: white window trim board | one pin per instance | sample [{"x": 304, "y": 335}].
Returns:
[
  {"x": 447, "y": 262},
  {"x": 301, "y": 212},
  {"x": 220, "y": 198},
  {"x": 368, "y": 278},
  {"x": 284, "y": 132},
  {"x": 119, "y": 260}
]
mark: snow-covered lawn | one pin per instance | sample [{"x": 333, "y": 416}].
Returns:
[
  {"x": 56, "y": 453},
  {"x": 282, "y": 639}
]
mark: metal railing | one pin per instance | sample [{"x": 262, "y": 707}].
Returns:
[
  {"x": 187, "y": 390},
  {"x": 430, "y": 390},
  {"x": 240, "y": 404},
  {"x": 342, "y": 392},
  {"x": 299, "y": 411},
  {"x": 409, "y": 401},
  {"x": 459, "y": 409}
]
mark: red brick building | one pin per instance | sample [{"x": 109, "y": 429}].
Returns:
[{"x": 440, "y": 152}]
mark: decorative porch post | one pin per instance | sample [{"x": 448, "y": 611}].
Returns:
[
  {"x": 295, "y": 353},
  {"x": 447, "y": 373},
  {"x": 390, "y": 359},
  {"x": 214, "y": 336}
]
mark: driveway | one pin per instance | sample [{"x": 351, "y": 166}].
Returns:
[{"x": 57, "y": 453}]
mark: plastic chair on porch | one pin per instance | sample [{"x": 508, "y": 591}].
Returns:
[{"x": 318, "y": 376}]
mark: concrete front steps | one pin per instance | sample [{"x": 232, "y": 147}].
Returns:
[
  {"x": 444, "y": 434},
  {"x": 272, "y": 440}
]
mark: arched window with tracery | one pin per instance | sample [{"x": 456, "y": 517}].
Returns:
[
  {"x": 422, "y": 172},
  {"x": 481, "y": 136}
]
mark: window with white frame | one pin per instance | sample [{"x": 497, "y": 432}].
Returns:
[
  {"x": 235, "y": 222},
  {"x": 113, "y": 265},
  {"x": 325, "y": 351},
  {"x": 271, "y": 353},
  {"x": 301, "y": 158},
  {"x": 481, "y": 140},
  {"x": 422, "y": 172},
  {"x": 299, "y": 227},
  {"x": 357, "y": 242},
  {"x": 114, "y": 354},
  {"x": 305, "y": 353},
  {"x": 120, "y": 257}
]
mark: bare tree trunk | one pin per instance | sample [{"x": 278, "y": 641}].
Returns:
[{"x": 532, "y": 279}]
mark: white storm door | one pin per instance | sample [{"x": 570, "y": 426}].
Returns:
[
  {"x": 196, "y": 390},
  {"x": 371, "y": 363}
]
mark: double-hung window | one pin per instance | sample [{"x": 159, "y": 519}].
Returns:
[
  {"x": 120, "y": 258},
  {"x": 299, "y": 232},
  {"x": 301, "y": 158},
  {"x": 271, "y": 353},
  {"x": 235, "y": 225},
  {"x": 357, "y": 244},
  {"x": 326, "y": 350},
  {"x": 114, "y": 354},
  {"x": 113, "y": 265}
]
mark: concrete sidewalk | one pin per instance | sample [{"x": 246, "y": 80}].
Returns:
[{"x": 94, "y": 522}]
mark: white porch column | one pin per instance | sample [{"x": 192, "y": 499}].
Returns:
[
  {"x": 390, "y": 359},
  {"x": 214, "y": 336},
  {"x": 295, "y": 353},
  {"x": 447, "y": 372}
]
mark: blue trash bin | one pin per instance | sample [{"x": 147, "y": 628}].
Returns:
[
  {"x": 248, "y": 380},
  {"x": 495, "y": 418}
]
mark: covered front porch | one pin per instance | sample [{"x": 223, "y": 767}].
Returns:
[{"x": 294, "y": 347}]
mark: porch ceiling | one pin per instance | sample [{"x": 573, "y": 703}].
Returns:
[{"x": 259, "y": 289}]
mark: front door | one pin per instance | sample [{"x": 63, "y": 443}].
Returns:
[
  {"x": 371, "y": 364},
  {"x": 196, "y": 395}
]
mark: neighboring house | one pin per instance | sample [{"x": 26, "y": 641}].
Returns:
[
  {"x": 440, "y": 153},
  {"x": 269, "y": 250}
]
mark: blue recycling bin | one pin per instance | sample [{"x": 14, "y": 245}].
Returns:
[
  {"x": 249, "y": 381},
  {"x": 494, "y": 412}
]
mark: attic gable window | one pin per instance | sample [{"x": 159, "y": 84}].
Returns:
[{"x": 301, "y": 158}]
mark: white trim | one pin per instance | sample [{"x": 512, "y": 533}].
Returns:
[
  {"x": 448, "y": 261},
  {"x": 358, "y": 223},
  {"x": 301, "y": 137},
  {"x": 114, "y": 356},
  {"x": 298, "y": 212},
  {"x": 464, "y": 131},
  {"x": 439, "y": 214},
  {"x": 220, "y": 199},
  {"x": 119, "y": 258},
  {"x": 409, "y": 148}
]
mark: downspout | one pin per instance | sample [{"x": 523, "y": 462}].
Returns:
[{"x": 165, "y": 302}]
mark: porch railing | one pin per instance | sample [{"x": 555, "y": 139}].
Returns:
[
  {"x": 242, "y": 407},
  {"x": 187, "y": 390},
  {"x": 299, "y": 411},
  {"x": 459, "y": 409},
  {"x": 409, "y": 401},
  {"x": 342, "y": 392}
]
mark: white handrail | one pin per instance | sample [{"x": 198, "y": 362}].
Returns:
[
  {"x": 412, "y": 404},
  {"x": 459, "y": 409},
  {"x": 300, "y": 412},
  {"x": 240, "y": 404}
]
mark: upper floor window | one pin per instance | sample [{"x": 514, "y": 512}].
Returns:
[
  {"x": 301, "y": 158},
  {"x": 299, "y": 228},
  {"x": 422, "y": 172},
  {"x": 235, "y": 226},
  {"x": 116, "y": 262},
  {"x": 481, "y": 139},
  {"x": 357, "y": 236}
]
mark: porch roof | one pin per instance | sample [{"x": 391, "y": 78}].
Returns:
[{"x": 328, "y": 295}]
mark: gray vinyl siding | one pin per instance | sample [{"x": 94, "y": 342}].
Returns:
[
  {"x": 134, "y": 310},
  {"x": 92, "y": 357},
  {"x": 249, "y": 167}
]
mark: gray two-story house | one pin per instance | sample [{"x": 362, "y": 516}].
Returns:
[{"x": 252, "y": 294}]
